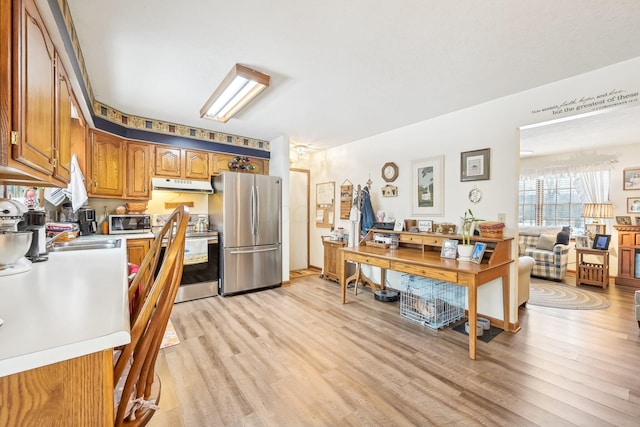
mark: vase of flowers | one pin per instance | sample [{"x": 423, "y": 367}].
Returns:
[{"x": 465, "y": 249}]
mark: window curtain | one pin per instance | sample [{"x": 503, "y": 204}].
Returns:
[{"x": 593, "y": 186}]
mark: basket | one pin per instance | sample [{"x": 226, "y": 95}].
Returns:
[
  {"x": 494, "y": 230},
  {"x": 431, "y": 302},
  {"x": 136, "y": 207}
]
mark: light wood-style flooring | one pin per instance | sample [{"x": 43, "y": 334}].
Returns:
[{"x": 295, "y": 356}]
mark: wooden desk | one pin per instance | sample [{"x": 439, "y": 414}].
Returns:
[{"x": 427, "y": 263}]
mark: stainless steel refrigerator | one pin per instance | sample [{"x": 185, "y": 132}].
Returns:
[{"x": 246, "y": 210}]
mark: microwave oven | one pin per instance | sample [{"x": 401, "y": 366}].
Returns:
[{"x": 131, "y": 223}]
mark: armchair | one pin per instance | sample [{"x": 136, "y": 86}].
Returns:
[{"x": 551, "y": 259}]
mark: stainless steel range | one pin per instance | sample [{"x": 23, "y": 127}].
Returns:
[{"x": 200, "y": 272}]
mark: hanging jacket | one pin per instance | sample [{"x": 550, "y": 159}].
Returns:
[{"x": 368, "y": 217}]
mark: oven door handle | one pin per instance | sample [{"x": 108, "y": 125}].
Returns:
[{"x": 253, "y": 251}]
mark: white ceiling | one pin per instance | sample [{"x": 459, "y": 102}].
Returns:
[{"x": 341, "y": 70}]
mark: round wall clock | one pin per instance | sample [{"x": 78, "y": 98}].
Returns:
[
  {"x": 389, "y": 172},
  {"x": 475, "y": 195}
]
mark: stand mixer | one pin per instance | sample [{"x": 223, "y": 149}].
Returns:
[{"x": 11, "y": 213}]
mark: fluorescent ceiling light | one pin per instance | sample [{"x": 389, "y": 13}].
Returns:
[{"x": 238, "y": 88}]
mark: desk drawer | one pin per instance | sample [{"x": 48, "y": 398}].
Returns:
[
  {"x": 433, "y": 273},
  {"x": 408, "y": 238},
  {"x": 364, "y": 259},
  {"x": 432, "y": 240}
]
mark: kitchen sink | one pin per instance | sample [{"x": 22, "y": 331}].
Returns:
[{"x": 81, "y": 245}]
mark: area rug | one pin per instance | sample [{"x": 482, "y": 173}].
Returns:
[
  {"x": 486, "y": 335},
  {"x": 170, "y": 337},
  {"x": 558, "y": 295}
]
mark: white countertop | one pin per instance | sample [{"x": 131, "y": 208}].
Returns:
[{"x": 74, "y": 304}]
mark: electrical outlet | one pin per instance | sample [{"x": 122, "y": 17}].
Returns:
[{"x": 502, "y": 218}]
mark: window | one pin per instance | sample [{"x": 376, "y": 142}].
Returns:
[{"x": 550, "y": 201}]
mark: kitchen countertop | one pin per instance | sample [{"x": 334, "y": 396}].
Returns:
[{"x": 74, "y": 304}]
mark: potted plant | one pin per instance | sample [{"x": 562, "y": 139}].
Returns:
[{"x": 466, "y": 248}]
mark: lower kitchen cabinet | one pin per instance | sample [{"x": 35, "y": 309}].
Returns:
[{"x": 137, "y": 249}]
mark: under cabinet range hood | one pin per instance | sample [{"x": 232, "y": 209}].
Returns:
[{"x": 182, "y": 185}]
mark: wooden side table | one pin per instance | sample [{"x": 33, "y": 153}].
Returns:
[
  {"x": 330, "y": 270},
  {"x": 589, "y": 272}
]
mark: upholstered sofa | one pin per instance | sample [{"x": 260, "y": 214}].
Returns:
[
  {"x": 525, "y": 264},
  {"x": 540, "y": 244}
]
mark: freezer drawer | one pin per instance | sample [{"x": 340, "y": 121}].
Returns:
[{"x": 251, "y": 268}]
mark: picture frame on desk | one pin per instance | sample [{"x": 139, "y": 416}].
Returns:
[
  {"x": 478, "y": 252},
  {"x": 425, "y": 225},
  {"x": 601, "y": 242},
  {"x": 427, "y": 186},
  {"x": 582, "y": 242},
  {"x": 449, "y": 249},
  {"x": 623, "y": 220}
]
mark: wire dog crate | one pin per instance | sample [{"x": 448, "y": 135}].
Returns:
[{"x": 431, "y": 302}]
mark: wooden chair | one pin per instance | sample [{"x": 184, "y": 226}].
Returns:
[{"x": 152, "y": 293}]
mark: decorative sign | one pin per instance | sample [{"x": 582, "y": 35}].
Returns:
[{"x": 598, "y": 101}]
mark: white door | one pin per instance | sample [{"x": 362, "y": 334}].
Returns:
[{"x": 299, "y": 219}]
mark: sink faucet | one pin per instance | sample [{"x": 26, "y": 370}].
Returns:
[{"x": 51, "y": 241}]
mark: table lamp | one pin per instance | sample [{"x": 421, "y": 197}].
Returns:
[{"x": 597, "y": 211}]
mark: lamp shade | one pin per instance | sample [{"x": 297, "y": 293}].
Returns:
[{"x": 597, "y": 210}]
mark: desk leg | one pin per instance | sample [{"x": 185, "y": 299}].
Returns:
[
  {"x": 505, "y": 301},
  {"x": 472, "y": 301},
  {"x": 342, "y": 276}
]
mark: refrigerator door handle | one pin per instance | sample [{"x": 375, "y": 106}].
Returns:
[
  {"x": 253, "y": 213},
  {"x": 253, "y": 251},
  {"x": 256, "y": 201}
]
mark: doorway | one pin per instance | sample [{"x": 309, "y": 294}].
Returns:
[{"x": 299, "y": 184}]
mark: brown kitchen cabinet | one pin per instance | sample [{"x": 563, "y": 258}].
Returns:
[
  {"x": 628, "y": 255},
  {"x": 65, "y": 121},
  {"x": 138, "y": 170},
  {"x": 172, "y": 162},
  {"x": 118, "y": 168},
  {"x": 36, "y": 93},
  {"x": 220, "y": 163},
  {"x": 331, "y": 259},
  {"x": 35, "y": 127},
  {"x": 137, "y": 249},
  {"x": 107, "y": 168}
]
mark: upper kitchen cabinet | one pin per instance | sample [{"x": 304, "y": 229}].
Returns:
[
  {"x": 138, "y": 170},
  {"x": 118, "y": 168},
  {"x": 35, "y": 82},
  {"x": 66, "y": 114},
  {"x": 220, "y": 163},
  {"x": 174, "y": 162},
  {"x": 36, "y": 100},
  {"x": 107, "y": 166}
]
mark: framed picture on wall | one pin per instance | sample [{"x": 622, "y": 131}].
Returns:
[
  {"x": 427, "y": 186},
  {"x": 631, "y": 179},
  {"x": 633, "y": 205},
  {"x": 475, "y": 165}
]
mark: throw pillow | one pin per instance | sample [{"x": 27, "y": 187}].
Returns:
[{"x": 546, "y": 242}]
